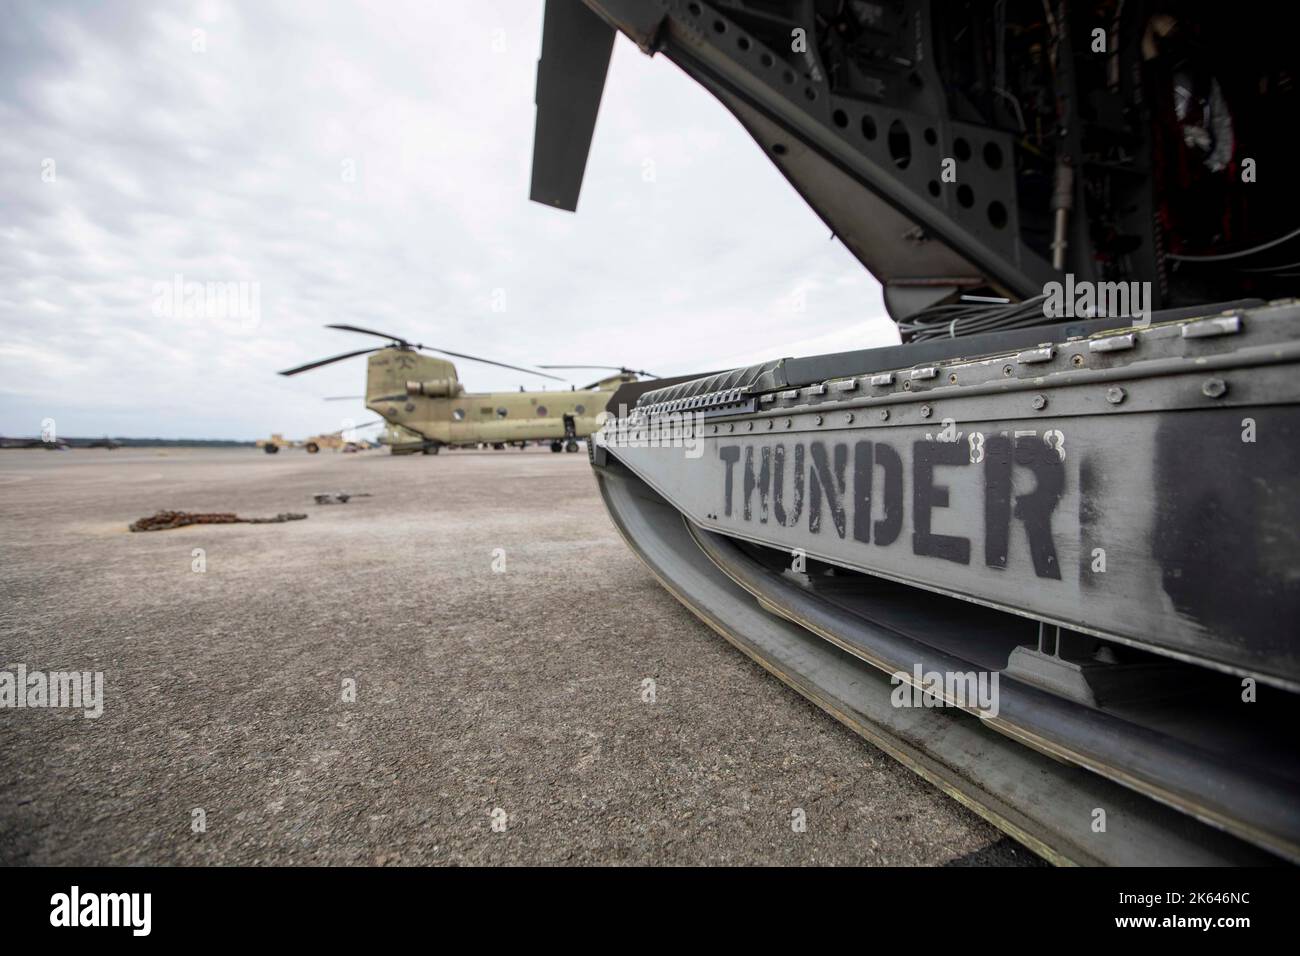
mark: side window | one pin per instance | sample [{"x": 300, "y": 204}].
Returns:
[
  {"x": 541, "y": 411},
  {"x": 485, "y": 411},
  {"x": 458, "y": 414},
  {"x": 580, "y": 409},
  {"x": 502, "y": 412}
]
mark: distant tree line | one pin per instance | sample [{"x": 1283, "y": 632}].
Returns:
[{"x": 126, "y": 443}]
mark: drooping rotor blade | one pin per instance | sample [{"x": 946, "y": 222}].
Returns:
[
  {"x": 354, "y": 428},
  {"x": 576, "y": 46},
  {"x": 612, "y": 368},
  {"x": 427, "y": 348},
  {"x": 475, "y": 358},
  {"x": 343, "y": 398},
  {"x": 337, "y": 358},
  {"x": 357, "y": 328}
]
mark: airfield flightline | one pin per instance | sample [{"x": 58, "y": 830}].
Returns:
[{"x": 602, "y": 720}]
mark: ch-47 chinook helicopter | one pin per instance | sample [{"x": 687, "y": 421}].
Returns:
[{"x": 426, "y": 407}]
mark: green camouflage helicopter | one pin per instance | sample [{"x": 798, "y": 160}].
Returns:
[{"x": 425, "y": 407}]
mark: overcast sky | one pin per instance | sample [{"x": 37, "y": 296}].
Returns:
[{"x": 367, "y": 163}]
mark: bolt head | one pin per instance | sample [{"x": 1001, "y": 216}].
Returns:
[
  {"x": 1039, "y": 402},
  {"x": 1214, "y": 388},
  {"x": 1115, "y": 394},
  {"x": 884, "y": 414},
  {"x": 925, "y": 411}
]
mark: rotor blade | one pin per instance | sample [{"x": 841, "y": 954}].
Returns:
[
  {"x": 357, "y": 328},
  {"x": 576, "y": 46},
  {"x": 353, "y": 428},
  {"x": 389, "y": 398},
  {"x": 475, "y": 358},
  {"x": 337, "y": 358},
  {"x": 612, "y": 368},
  {"x": 343, "y": 398}
]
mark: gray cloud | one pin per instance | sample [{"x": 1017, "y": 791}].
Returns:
[{"x": 689, "y": 251}]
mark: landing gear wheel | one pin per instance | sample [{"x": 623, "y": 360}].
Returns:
[
  {"x": 557, "y": 445},
  {"x": 571, "y": 446},
  {"x": 312, "y": 448},
  {"x": 275, "y": 449},
  {"x": 431, "y": 449}
]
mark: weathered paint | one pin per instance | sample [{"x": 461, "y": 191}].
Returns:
[{"x": 1198, "y": 530}]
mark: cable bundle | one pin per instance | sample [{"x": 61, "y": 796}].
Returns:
[{"x": 972, "y": 318}]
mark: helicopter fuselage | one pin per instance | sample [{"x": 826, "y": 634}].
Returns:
[{"x": 424, "y": 395}]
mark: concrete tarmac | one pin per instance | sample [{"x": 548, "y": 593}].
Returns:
[{"x": 498, "y": 634}]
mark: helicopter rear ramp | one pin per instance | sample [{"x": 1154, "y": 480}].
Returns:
[
  {"x": 1102, "y": 528},
  {"x": 1044, "y": 803},
  {"x": 1046, "y": 555}
]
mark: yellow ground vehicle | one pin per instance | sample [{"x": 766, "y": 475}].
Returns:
[{"x": 333, "y": 441}]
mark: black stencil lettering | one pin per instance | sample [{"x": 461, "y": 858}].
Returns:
[
  {"x": 823, "y": 482},
  {"x": 729, "y": 454},
  {"x": 757, "y": 482},
  {"x": 790, "y": 518},
  {"x": 926, "y": 495},
  {"x": 890, "y": 525},
  {"x": 997, "y": 500},
  {"x": 1035, "y": 509},
  {"x": 862, "y": 475}
]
